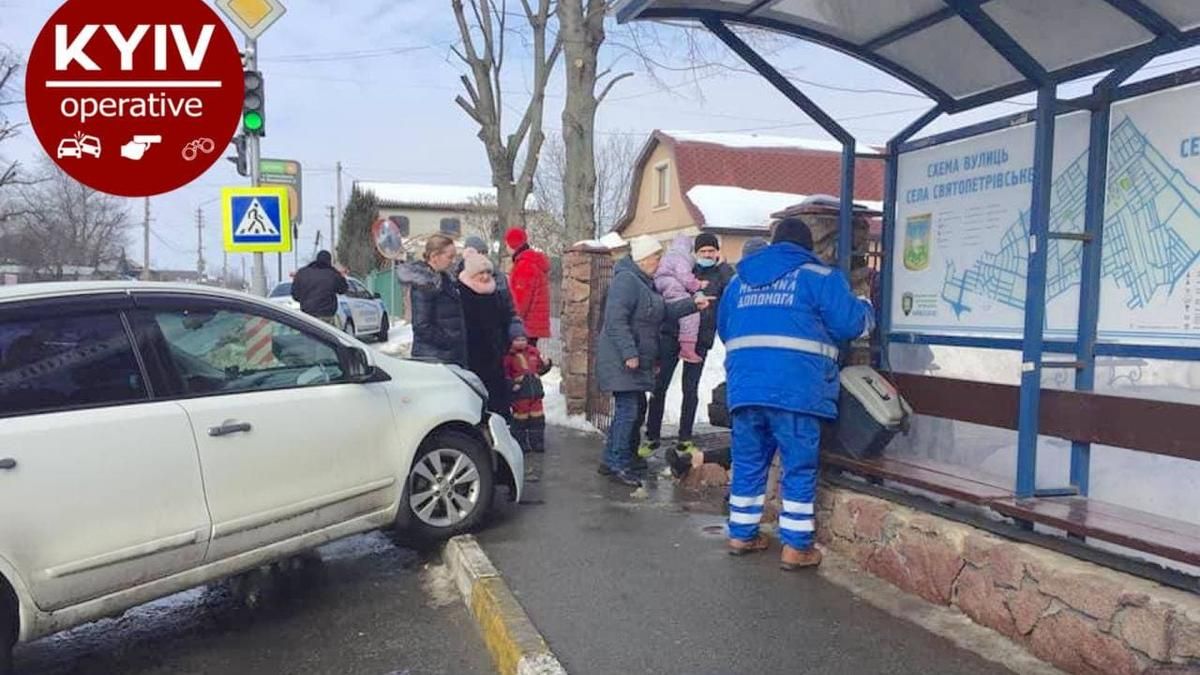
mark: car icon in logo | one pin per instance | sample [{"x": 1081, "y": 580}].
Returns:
[{"x": 79, "y": 146}]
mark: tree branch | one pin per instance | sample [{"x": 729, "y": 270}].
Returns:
[{"x": 608, "y": 87}]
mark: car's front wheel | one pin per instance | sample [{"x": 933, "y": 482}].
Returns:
[
  {"x": 8, "y": 637},
  {"x": 449, "y": 487}
]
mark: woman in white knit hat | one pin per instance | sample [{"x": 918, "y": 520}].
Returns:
[{"x": 634, "y": 314}]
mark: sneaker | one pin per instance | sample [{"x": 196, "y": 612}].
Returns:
[
  {"x": 688, "y": 447},
  {"x": 626, "y": 478},
  {"x": 604, "y": 469},
  {"x": 638, "y": 463},
  {"x": 646, "y": 450},
  {"x": 794, "y": 559}
]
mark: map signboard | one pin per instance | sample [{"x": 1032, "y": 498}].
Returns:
[{"x": 962, "y": 231}]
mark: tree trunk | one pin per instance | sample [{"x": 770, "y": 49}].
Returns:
[
  {"x": 509, "y": 211},
  {"x": 582, "y": 34}
]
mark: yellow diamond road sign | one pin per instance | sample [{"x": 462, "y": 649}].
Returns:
[{"x": 252, "y": 17}]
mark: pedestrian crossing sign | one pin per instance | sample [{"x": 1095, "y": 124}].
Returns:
[{"x": 256, "y": 220}]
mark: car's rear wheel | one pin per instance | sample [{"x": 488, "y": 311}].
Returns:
[
  {"x": 449, "y": 487},
  {"x": 349, "y": 328},
  {"x": 384, "y": 326}
]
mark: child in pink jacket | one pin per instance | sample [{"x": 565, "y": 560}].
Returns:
[{"x": 674, "y": 280}]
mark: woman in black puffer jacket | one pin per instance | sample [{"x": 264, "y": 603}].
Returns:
[{"x": 439, "y": 331}]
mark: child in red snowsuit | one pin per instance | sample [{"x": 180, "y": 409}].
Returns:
[{"x": 524, "y": 367}]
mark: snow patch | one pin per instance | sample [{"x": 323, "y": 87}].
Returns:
[
  {"x": 757, "y": 141},
  {"x": 610, "y": 241},
  {"x": 555, "y": 405},
  {"x": 400, "y": 340},
  {"x": 712, "y": 376},
  {"x": 734, "y": 207}
]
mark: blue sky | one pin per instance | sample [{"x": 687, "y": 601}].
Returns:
[{"x": 371, "y": 83}]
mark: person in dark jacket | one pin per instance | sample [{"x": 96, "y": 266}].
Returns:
[
  {"x": 715, "y": 274},
  {"x": 439, "y": 332},
  {"x": 487, "y": 319},
  {"x": 473, "y": 246},
  {"x": 317, "y": 286},
  {"x": 628, "y": 347},
  {"x": 782, "y": 320}
]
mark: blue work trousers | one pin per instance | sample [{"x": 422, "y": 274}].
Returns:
[{"x": 757, "y": 432}]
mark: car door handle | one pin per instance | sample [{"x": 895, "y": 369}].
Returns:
[
  {"x": 229, "y": 428},
  {"x": 7, "y": 464}
]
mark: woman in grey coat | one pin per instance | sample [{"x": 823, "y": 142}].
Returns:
[{"x": 634, "y": 314}]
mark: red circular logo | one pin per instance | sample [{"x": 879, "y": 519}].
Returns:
[{"x": 134, "y": 98}]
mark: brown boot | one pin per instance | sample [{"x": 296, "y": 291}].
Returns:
[
  {"x": 796, "y": 558},
  {"x": 739, "y": 547}
]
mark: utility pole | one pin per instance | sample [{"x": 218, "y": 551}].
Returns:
[
  {"x": 146, "y": 242},
  {"x": 332, "y": 233},
  {"x": 200, "y": 241},
  {"x": 253, "y": 155},
  {"x": 332, "y": 226}
]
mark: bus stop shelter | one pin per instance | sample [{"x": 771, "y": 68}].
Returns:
[{"x": 963, "y": 54}]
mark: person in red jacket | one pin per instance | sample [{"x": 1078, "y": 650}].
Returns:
[
  {"x": 530, "y": 283},
  {"x": 524, "y": 366}
]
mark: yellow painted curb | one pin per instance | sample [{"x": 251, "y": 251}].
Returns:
[{"x": 516, "y": 646}]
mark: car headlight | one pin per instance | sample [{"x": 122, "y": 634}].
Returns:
[{"x": 471, "y": 380}]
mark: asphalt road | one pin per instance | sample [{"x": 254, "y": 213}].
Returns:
[
  {"x": 625, "y": 585},
  {"x": 369, "y": 606}
]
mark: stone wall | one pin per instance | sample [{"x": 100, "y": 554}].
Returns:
[
  {"x": 574, "y": 330},
  {"x": 1081, "y": 617}
]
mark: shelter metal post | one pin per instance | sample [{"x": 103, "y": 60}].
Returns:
[
  {"x": 1035, "y": 293},
  {"x": 814, "y": 111},
  {"x": 891, "y": 179}
]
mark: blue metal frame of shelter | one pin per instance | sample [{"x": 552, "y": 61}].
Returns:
[{"x": 1085, "y": 348}]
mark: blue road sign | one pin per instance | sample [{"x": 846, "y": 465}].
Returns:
[{"x": 256, "y": 220}]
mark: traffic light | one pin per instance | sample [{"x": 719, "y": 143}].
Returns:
[
  {"x": 240, "y": 161},
  {"x": 254, "y": 117}
]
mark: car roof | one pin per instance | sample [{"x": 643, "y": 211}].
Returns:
[{"x": 57, "y": 289}]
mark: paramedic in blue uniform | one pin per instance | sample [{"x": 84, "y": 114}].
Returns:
[{"x": 781, "y": 320}]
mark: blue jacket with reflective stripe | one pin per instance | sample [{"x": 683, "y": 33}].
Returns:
[{"x": 781, "y": 319}]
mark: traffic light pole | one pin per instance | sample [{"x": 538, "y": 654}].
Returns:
[{"x": 253, "y": 153}]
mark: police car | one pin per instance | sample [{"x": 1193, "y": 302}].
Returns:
[{"x": 360, "y": 312}]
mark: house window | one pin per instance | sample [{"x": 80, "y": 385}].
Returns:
[
  {"x": 451, "y": 227},
  {"x": 662, "y": 180}
]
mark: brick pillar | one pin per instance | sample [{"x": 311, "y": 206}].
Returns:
[{"x": 576, "y": 336}]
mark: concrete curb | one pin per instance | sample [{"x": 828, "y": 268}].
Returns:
[{"x": 516, "y": 646}]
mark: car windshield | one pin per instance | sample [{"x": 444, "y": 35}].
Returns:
[{"x": 283, "y": 290}]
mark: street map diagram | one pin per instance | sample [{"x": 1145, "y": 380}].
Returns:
[{"x": 1151, "y": 232}]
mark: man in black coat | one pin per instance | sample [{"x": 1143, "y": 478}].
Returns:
[
  {"x": 317, "y": 286},
  {"x": 716, "y": 273}
]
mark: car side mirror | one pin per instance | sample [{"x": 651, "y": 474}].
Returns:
[{"x": 358, "y": 366}]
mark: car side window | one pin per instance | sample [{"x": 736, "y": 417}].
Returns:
[
  {"x": 225, "y": 351},
  {"x": 62, "y": 362},
  {"x": 357, "y": 290}
]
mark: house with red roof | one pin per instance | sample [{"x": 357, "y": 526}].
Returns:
[{"x": 731, "y": 184}]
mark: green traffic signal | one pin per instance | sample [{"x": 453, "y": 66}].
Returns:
[{"x": 252, "y": 121}]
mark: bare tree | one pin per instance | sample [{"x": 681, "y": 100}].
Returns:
[
  {"x": 65, "y": 223},
  {"x": 615, "y": 155},
  {"x": 484, "y": 34},
  {"x": 10, "y": 64}
]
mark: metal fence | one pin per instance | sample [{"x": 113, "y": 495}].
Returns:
[
  {"x": 389, "y": 289},
  {"x": 598, "y": 408}
]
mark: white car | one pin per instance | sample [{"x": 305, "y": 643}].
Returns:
[
  {"x": 155, "y": 437},
  {"x": 360, "y": 312}
]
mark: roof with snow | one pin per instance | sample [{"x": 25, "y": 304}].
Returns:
[
  {"x": 961, "y": 53},
  {"x": 418, "y": 195},
  {"x": 734, "y": 208},
  {"x": 758, "y": 165}
]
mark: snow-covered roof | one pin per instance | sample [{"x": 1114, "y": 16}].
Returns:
[
  {"x": 738, "y": 208},
  {"x": 445, "y": 196},
  {"x": 757, "y": 141}
]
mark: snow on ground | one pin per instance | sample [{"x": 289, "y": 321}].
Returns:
[
  {"x": 556, "y": 405},
  {"x": 399, "y": 340},
  {"x": 713, "y": 375}
]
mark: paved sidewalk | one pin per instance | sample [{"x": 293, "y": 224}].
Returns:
[{"x": 621, "y": 585}]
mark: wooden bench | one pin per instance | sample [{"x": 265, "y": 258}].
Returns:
[{"x": 943, "y": 479}]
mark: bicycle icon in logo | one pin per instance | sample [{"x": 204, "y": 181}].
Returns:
[{"x": 198, "y": 146}]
